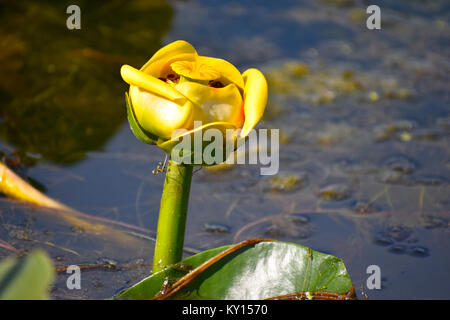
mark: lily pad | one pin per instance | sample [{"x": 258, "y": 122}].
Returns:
[{"x": 250, "y": 270}]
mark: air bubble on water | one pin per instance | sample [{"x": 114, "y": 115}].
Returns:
[
  {"x": 397, "y": 249},
  {"x": 419, "y": 251}
]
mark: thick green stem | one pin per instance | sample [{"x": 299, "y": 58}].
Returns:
[{"x": 172, "y": 216}]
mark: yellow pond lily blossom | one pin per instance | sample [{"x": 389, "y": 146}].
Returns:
[{"x": 177, "y": 88}]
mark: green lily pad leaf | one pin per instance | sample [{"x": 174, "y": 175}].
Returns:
[
  {"x": 254, "y": 269},
  {"x": 26, "y": 278},
  {"x": 138, "y": 131}
]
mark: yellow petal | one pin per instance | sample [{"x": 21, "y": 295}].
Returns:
[
  {"x": 228, "y": 72},
  {"x": 255, "y": 99},
  {"x": 214, "y": 104},
  {"x": 159, "y": 64},
  {"x": 147, "y": 82},
  {"x": 195, "y": 70}
]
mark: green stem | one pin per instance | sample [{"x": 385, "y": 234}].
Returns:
[{"x": 172, "y": 216}]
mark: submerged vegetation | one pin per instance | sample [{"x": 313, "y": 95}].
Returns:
[{"x": 60, "y": 92}]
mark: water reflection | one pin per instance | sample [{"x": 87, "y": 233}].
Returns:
[{"x": 60, "y": 91}]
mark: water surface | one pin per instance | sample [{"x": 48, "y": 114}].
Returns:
[{"x": 363, "y": 117}]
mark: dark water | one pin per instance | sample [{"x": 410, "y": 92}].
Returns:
[{"x": 364, "y": 121}]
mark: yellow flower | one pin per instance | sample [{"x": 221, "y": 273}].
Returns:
[{"x": 177, "y": 87}]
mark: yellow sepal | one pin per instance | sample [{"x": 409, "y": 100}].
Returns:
[
  {"x": 228, "y": 72},
  {"x": 214, "y": 104},
  {"x": 255, "y": 98},
  {"x": 159, "y": 63},
  {"x": 147, "y": 82}
]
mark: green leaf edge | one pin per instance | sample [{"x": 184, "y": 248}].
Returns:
[
  {"x": 26, "y": 278},
  {"x": 137, "y": 130}
]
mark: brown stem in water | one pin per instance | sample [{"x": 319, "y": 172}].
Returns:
[
  {"x": 184, "y": 281},
  {"x": 317, "y": 295}
]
